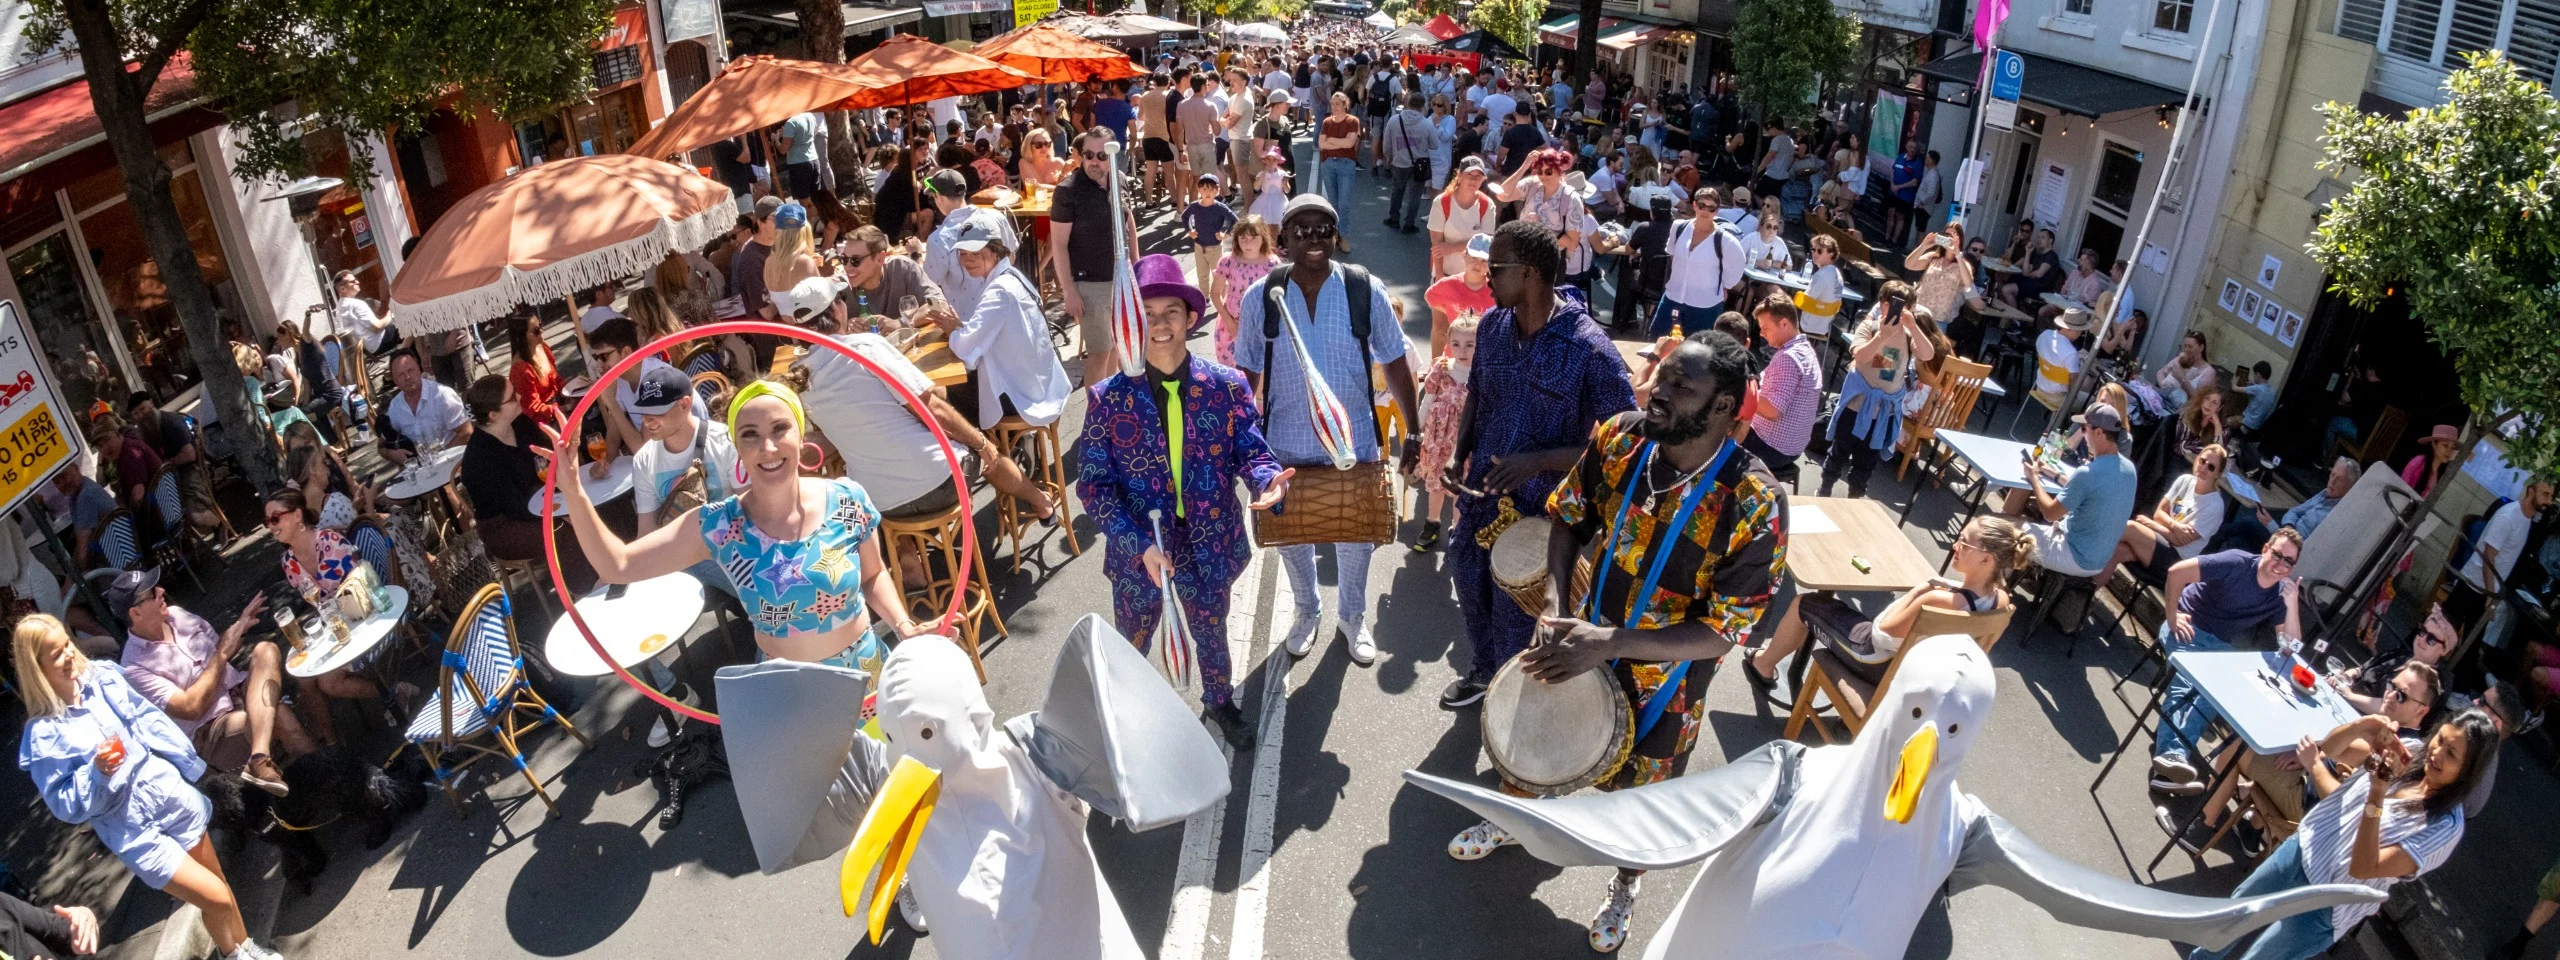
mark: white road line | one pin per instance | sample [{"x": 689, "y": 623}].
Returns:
[
  {"x": 1253, "y": 871},
  {"x": 1194, "y": 876}
]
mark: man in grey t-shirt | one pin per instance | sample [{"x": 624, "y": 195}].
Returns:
[{"x": 1777, "y": 162}]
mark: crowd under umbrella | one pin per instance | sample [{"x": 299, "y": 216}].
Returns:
[
  {"x": 1057, "y": 56},
  {"x": 552, "y": 231}
]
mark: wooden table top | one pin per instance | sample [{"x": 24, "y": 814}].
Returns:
[
  {"x": 932, "y": 354},
  {"x": 1824, "y": 533}
]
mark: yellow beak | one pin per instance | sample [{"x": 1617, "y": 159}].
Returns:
[
  {"x": 1918, "y": 755},
  {"x": 886, "y": 839}
]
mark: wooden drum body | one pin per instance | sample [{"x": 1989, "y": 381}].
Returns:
[{"x": 1556, "y": 738}]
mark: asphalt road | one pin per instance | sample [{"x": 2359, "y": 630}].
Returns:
[{"x": 1320, "y": 852}]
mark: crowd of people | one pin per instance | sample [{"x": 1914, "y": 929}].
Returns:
[{"x": 1538, "y": 197}]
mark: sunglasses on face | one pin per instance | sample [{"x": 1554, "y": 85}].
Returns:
[
  {"x": 1313, "y": 231},
  {"x": 276, "y": 517},
  {"x": 1090, "y": 155},
  {"x": 2286, "y": 559}
]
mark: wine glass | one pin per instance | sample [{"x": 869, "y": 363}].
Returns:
[{"x": 907, "y": 310}]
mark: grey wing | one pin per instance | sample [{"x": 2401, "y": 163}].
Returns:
[
  {"x": 1653, "y": 827},
  {"x": 1114, "y": 733},
  {"x": 1996, "y": 852},
  {"x": 801, "y": 768}
]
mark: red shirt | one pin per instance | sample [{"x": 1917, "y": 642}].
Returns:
[
  {"x": 537, "y": 383},
  {"x": 1451, "y": 296},
  {"x": 1342, "y": 126},
  {"x": 135, "y": 462}
]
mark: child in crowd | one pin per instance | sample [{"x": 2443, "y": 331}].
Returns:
[
  {"x": 1444, "y": 400},
  {"x": 1274, "y": 198},
  {"x": 1207, "y": 221},
  {"x": 1251, "y": 253}
]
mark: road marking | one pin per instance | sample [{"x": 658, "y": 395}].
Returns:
[
  {"x": 1196, "y": 873},
  {"x": 1253, "y": 869}
]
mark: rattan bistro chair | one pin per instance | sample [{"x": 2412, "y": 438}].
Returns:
[{"x": 483, "y": 704}]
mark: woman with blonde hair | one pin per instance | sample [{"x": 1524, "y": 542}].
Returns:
[
  {"x": 1983, "y": 555},
  {"x": 650, "y": 313},
  {"x": 103, "y": 757},
  {"x": 795, "y": 250},
  {"x": 2179, "y": 526},
  {"x": 684, "y": 280}
]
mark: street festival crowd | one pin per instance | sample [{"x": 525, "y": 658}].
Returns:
[{"x": 1555, "y": 214}]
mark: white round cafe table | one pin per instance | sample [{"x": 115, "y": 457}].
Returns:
[
  {"x": 424, "y": 475},
  {"x": 2067, "y": 303},
  {"x": 634, "y": 627},
  {"x": 616, "y": 482},
  {"x": 325, "y": 652}
]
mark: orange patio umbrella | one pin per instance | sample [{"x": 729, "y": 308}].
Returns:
[
  {"x": 1057, "y": 56},
  {"x": 909, "y": 69},
  {"x": 554, "y": 230},
  {"x": 751, "y": 93}
]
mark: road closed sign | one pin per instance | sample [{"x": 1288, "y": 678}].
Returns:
[{"x": 35, "y": 439}]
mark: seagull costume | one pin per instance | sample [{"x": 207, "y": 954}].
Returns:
[
  {"x": 1836, "y": 852},
  {"x": 988, "y": 823}
]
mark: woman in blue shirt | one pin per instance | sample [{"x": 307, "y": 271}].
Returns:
[
  {"x": 799, "y": 550},
  {"x": 103, "y": 756}
]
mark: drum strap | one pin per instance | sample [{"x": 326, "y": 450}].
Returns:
[{"x": 1661, "y": 699}]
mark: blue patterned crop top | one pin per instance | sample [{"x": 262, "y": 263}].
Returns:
[{"x": 793, "y": 587}]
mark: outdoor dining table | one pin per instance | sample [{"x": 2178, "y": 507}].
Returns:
[
  {"x": 1997, "y": 265},
  {"x": 1797, "y": 281},
  {"x": 2249, "y": 693},
  {"x": 930, "y": 353},
  {"x": 323, "y": 651},
  {"x": 615, "y": 483},
  {"x": 633, "y": 624},
  {"x": 2065, "y": 302},
  {"x": 1994, "y": 460},
  {"x": 1828, "y": 537},
  {"x": 415, "y": 493}
]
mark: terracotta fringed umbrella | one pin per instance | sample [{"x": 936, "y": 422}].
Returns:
[
  {"x": 551, "y": 231},
  {"x": 909, "y": 69},
  {"x": 756, "y": 92},
  {"x": 1057, "y": 56}
]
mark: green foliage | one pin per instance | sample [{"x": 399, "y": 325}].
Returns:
[
  {"x": 1515, "y": 21},
  {"x": 287, "y": 68},
  {"x": 1782, "y": 49},
  {"x": 2453, "y": 208}
]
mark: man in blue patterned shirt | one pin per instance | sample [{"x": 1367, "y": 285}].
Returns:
[
  {"x": 1543, "y": 374},
  {"x": 1319, "y": 308}
]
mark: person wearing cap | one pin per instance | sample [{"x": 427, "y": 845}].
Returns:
[
  {"x": 2080, "y": 528},
  {"x": 1316, "y": 293},
  {"x": 688, "y": 459},
  {"x": 1468, "y": 291},
  {"x": 1462, "y": 211},
  {"x": 234, "y": 717},
  {"x": 617, "y": 339},
  {"x": 1164, "y": 451},
  {"x": 746, "y": 270},
  {"x": 951, "y": 199},
  {"x": 1004, "y": 339},
  {"x": 795, "y": 250},
  {"x": 1082, "y": 255},
  {"x": 2058, "y": 354}
]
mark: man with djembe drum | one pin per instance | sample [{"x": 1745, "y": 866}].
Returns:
[
  {"x": 1695, "y": 535},
  {"x": 1543, "y": 374}
]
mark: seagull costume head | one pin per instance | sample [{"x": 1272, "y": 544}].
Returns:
[{"x": 1836, "y": 852}]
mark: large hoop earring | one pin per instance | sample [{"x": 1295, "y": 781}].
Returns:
[
  {"x": 738, "y": 470},
  {"x": 805, "y": 465}
]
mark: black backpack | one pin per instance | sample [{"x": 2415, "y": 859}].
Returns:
[
  {"x": 1382, "y": 90},
  {"x": 1356, "y": 290}
]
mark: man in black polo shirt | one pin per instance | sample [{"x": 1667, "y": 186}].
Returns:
[
  {"x": 1520, "y": 139},
  {"x": 1081, "y": 255}
]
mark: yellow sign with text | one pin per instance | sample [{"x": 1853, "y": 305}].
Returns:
[
  {"x": 31, "y": 450},
  {"x": 34, "y": 445},
  {"x": 1027, "y": 11}
]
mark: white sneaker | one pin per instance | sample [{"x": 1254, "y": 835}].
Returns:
[
  {"x": 1609, "y": 927},
  {"x": 1302, "y": 632},
  {"x": 1364, "y": 648},
  {"x": 250, "y": 950},
  {"x": 909, "y": 911},
  {"x": 1480, "y": 841},
  {"x": 658, "y": 735}
]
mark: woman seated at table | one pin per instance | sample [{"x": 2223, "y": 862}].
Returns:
[
  {"x": 2179, "y": 526},
  {"x": 1765, "y": 249},
  {"x": 316, "y": 561},
  {"x": 2397, "y": 818},
  {"x": 1983, "y": 554},
  {"x": 502, "y": 469},
  {"x": 801, "y": 551},
  {"x": 1040, "y": 164},
  {"x": 2200, "y": 422},
  {"x": 535, "y": 375},
  {"x": 323, "y": 480}
]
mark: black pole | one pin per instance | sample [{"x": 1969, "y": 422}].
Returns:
[{"x": 1586, "y": 47}]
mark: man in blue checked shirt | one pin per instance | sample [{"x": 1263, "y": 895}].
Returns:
[{"x": 1319, "y": 308}]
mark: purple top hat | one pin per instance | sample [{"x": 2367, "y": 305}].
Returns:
[{"x": 1160, "y": 275}]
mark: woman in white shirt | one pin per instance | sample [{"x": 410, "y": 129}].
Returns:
[
  {"x": 1706, "y": 260},
  {"x": 1461, "y": 211},
  {"x": 2191, "y": 371},
  {"x": 1766, "y": 249},
  {"x": 1444, "y": 134},
  {"x": 2179, "y": 526},
  {"x": 1005, "y": 339}
]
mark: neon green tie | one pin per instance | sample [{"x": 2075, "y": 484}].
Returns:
[{"x": 1173, "y": 438}]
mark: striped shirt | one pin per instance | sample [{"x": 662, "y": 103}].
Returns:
[
  {"x": 1327, "y": 327},
  {"x": 2328, "y": 838},
  {"x": 1793, "y": 382}
]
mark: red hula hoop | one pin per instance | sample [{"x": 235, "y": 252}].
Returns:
[{"x": 578, "y": 414}]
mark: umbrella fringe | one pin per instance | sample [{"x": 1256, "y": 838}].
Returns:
[{"x": 565, "y": 278}]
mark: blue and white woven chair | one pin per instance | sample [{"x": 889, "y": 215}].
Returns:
[
  {"x": 118, "y": 541},
  {"x": 374, "y": 545},
  {"x": 177, "y": 538},
  {"x": 483, "y": 705}
]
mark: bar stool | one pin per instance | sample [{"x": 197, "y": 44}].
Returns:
[
  {"x": 940, "y": 531},
  {"x": 1048, "y": 471}
]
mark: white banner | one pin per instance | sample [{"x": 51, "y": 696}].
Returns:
[
  {"x": 687, "y": 19},
  {"x": 948, "y": 8}
]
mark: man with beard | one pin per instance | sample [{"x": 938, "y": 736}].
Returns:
[
  {"x": 1694, "y": 527},
  {"x": 1543, "y": 374}
]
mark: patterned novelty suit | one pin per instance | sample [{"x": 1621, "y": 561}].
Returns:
[{"x": 1129, "y": 469}]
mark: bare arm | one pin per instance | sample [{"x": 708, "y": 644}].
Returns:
[
  {"x": 656, "y": 553},
  {"x": 2370, "y": 860},
  {"x": 1898, "y": 616}
]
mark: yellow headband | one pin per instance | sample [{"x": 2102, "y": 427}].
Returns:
[{"x": 759, "y": 388}]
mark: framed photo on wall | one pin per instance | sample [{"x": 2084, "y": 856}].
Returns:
[
  {"x": 2230, "y": 300},
  {"x": 2270, "y": 314},
  {"x": 2289, "y": 330},
  {"x": 2249, "y": 304}
]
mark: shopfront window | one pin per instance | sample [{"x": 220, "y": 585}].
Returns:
[
  {"x": 136, "y": 297},
  {"x": 58, "y": 315}
]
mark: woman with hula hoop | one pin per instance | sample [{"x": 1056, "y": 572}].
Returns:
[{"x": 800, "y": 550}]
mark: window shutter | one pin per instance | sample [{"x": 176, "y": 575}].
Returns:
[
  {"x": 2534, "y": 42},
  {"x": 2413, "y": 29},
  {"x": 2360, "y": 20}
]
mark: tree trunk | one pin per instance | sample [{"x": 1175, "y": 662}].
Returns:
[
  {"x": 822, "y": 36},
  {"x": 1586, "y": 46},
  {"x": 117, "y": 95}
]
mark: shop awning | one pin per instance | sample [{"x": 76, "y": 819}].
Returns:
[
  {"x": 2063, "y": 85},
  {"x": 1634, "y": 35},
  {"x": 1615, "y": 34},
  {"x": 52, "y": 124},
  {"x": 859, "y": 18}
]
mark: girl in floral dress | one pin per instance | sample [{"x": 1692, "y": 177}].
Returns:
[
  {"x": 1444, "y": 398},
  {"x": 1250, "y": 256}
]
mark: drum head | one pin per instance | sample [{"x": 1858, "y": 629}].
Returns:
[
  {"x": 1519, "y": 556},
  {"x": 1555, "y": 738}
]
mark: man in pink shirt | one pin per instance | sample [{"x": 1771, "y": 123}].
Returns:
[
  {"x": 178, "y": 663},
  {"x": 1790, "y": 392}
]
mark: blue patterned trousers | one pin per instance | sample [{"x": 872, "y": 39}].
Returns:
[{"x": 1136, "y": 604}]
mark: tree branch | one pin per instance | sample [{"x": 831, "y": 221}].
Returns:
[{"x": 173, "y": 37}]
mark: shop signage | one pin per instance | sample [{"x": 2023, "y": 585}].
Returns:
[
  {"x": 686, "y": 19},
  {"x": 2008, "y": 78},
  {"x": 630, "y": 27},
  {"x": 33, "y": 441},
  {"x": 950, "y": 8},
  {"x": 1027, "y": 11}
]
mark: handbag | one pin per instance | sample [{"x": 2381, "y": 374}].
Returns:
[
  {"x": 1421, "y": 161},
  {"x": 1324, "y": 505}
]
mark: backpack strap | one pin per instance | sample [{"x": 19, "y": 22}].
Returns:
[{"x": 1358, "y": 291}]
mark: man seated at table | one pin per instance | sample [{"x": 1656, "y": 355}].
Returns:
[
  {"x": 173, "y": 436},
  {"x": 422, "y": 412},
  {"x": 609, "y": 343},
  {"x": 88, "y": 502},
  {"x": 2221, "y": 596},
  {"x": 878, "y": 277},
  {"x": 2081, "y": 526},
  {"x": 2248, "y": 532},
  {"x": 687, "y": 461},
  {"x": 178, "y": 663}
]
